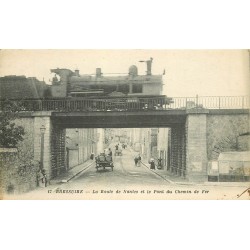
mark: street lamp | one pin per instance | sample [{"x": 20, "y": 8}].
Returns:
[{"x": 42, "y": 130}]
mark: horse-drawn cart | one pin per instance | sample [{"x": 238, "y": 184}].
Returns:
[{"x": 104, "y": 161}]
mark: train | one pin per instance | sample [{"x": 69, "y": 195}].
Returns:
[
  {"x": 68, "y": 83},
  {"x": 97, "y": 91}
]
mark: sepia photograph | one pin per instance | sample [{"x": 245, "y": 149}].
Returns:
[{"x": 124, "y": 124}]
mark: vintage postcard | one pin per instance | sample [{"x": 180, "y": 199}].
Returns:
[{"x": 125, "y": 124}]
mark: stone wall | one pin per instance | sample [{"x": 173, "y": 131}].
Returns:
[
  {"x": 16, "y": 177},
  {"x": 243, "y": 143},
  {"x": 26, "y": 147},
  {"x": 18, "y": 168},
  {"x": 223, "y": 131}
]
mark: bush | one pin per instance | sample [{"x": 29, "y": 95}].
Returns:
[{"x": 10, "y": 134}]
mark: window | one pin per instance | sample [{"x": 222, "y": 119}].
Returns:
[{"x": 137, "y": 88}]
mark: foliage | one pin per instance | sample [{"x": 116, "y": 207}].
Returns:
[
  {"x": 24, "y": 170},
  {"x": 10, "y": 133},
  {"x": 226, "y": 144}
]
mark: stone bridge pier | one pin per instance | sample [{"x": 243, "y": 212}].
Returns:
[
  {"x": 204, "y": 135},
  {"x": 188, "y": 140},
  {"x": 49, "y": 147},
  {"x": 196, "y": 144}
]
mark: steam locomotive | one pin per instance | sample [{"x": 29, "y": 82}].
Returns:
[{"x": 132, "y": 86}]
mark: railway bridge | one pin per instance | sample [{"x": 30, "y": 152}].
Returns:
[{"x": 199, "y": 125}]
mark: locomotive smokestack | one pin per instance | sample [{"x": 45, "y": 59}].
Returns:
[
  {"x": 77, "y": 72},
  {"x": 98, "y": 72},
  {"x": 149, "y": 66}
]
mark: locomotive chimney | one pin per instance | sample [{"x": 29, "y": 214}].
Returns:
[
  {"x": 149, "y": 66},
  {"x": 98, "y": 72},
  {"x": 77, "y": 72}
]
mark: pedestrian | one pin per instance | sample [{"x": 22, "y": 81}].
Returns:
[
  {"x": 139, "y": 160},
  {"x": 38, "y": 177},
  {"x": 92, "y": 156},
  {"x": 41, "y": 178},
  {"x": 152, "y": 163},
  {"x": 110, "y": 153},
  {"x": 136, "y": 161},
  {"x": 159, "y": 163},
  {"x": 44, "y": 179}
]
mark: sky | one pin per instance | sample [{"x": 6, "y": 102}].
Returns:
[{"x": 188, "y": 72}]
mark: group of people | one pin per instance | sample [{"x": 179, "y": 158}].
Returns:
[
  {"x": 137, "y": 158},
  {"x": 156, "y": 107}
]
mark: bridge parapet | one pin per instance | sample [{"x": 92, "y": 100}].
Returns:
[
  {"x": 132, "y": 103},
  {"x": 93, "y": 104},
  {"x": 211, "y": 102}
]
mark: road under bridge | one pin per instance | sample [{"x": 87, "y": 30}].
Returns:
[
  {"x": 195, "y": 133},
  {"x": 197, "y": 128}
]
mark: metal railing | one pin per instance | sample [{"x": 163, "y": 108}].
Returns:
[
  {"x": 130, "y": 103},
  {"x": 90, "y": 104},
  {"x": 211, "y": 102}
]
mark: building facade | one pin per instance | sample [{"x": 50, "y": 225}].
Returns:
[{"x": 81, "y": 143}]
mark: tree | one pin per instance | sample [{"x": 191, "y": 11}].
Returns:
[{"x": 10, "y": 133}]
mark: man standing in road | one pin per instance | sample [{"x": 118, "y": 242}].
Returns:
[
  {"x": 139, "y": 160},
  {"x": 136, "y": 160}
]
